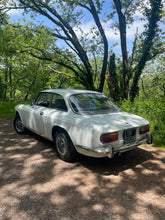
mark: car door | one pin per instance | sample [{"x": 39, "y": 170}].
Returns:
[
  {"x": 41, "y": 111},
  {"x": 55, "y": 115}
]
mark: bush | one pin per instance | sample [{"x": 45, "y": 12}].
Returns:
[{"x": 154, "y": 112}]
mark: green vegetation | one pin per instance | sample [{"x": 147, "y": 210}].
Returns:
[
  {"x": 154, "y": 112},
  {"x": 7, "y": 109},
  {"x": 37, "y": 42}
]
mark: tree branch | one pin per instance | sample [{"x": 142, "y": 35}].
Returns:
[
  {"x": 73, "y": 39},
  {"x": 67, "y": 58},
  {"x": 62, "y": 73},
  {"x": 86, "y": 7},
  {"x": 48, "y": 59}
]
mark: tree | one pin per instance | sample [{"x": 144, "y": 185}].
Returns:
[
  {"x": 153, "y": 15},
  {"x": 22, "y": 74},
  {"x": 152, "y": 81},
  {"x": 66, "y": 21},
  {"x": 113, "y": 79},
  {"x": 133, "y": 65}
]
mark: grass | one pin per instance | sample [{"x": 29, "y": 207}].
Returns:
[{"x": 7, "y": 109}]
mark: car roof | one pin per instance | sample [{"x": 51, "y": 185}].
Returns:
[{"x": 68, "y": 92}]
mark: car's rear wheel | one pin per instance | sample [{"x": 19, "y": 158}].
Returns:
[
  {"x": 18, "y": 125},
  {"x": 64, "y": 146}
]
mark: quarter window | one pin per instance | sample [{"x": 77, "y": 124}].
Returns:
[{"x": 58, "y": 102}]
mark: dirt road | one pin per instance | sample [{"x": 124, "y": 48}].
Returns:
[{"x": 35, "y": 184}]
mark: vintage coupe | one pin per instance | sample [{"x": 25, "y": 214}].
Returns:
[{"x": 82, "y": 121}]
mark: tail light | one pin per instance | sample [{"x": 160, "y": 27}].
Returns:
[
  {"x": 107, "y": 138},
  {"x": 144, "y": 129}
]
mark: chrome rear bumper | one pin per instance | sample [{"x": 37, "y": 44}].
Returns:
[{"x": 109, "y": 150}]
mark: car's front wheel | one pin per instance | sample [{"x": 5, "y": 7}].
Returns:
[
  {"x": 18, "y": 125},
  {"x": 63, "y": 146}
]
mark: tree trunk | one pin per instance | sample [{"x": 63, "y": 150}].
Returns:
[
  {"x": 153, "y": 17},
  {"x": 123, "y": 42},
  {"x": 105, "y": 43},
  {"x": 5, "y": 86},
  {"x": 30, "y": 87},
  {"x": 10, "y": 83},
  {"x": 112, "y": 80}
]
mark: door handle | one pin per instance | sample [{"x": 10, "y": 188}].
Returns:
[{"x": 41, "y": 113}]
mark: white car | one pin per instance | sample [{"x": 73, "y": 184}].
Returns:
[{"x": 82, "y": 121}]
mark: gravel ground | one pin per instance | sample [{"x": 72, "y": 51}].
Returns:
[{"x": 35, "y": 184}]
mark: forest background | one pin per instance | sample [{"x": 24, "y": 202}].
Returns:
[{"x": 116, "y": 47}]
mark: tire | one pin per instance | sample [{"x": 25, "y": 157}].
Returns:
[
  {"x": 63, "y": 146},
  {"x": 19, "y": 127}
]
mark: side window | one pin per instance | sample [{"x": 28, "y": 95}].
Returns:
[
  {"x": 58, "y": 102},
  {"x": 44, "y": 99}
]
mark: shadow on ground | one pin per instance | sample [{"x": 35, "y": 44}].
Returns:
[{"x": 113, "y": 166}]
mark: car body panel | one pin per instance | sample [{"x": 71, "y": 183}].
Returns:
[{"x": 84, "y": 130}]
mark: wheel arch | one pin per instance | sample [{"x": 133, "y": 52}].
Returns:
[
  {"x": 17, "y": 113},
  {"x": 71, "y": 152},
  {"x": 57, "y": 128},
  {"x": 19, "y": 126}
]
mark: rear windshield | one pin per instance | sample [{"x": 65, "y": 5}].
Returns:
[{"x": 92, "y": 103}]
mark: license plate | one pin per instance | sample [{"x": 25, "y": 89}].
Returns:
[{"x": 129, "y": 135}]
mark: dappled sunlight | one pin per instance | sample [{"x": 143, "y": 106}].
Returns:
[
  {"x": 150, "y": 197},
  {"x": 36, "y": 184}
]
